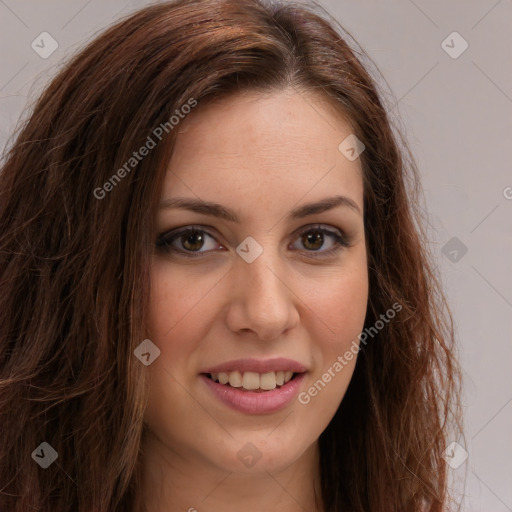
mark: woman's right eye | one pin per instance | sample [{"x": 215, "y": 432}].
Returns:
[{"x": 187, "y": 242}]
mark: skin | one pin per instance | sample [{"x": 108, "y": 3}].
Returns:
[{"x": 262, "y": 155}]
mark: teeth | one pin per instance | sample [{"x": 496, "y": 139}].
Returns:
[
  {"x": 252, "y": 380},
  {"x": 235, "y": 379},
  {"x": 268, "y": 380}
]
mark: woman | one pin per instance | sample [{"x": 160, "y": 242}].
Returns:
[{"x": 214, "y": 289}]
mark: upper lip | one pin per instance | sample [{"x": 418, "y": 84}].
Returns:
[{"x": 258, "y": 366}]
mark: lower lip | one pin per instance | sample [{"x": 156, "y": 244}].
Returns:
[{"x": 251, "y": 402}]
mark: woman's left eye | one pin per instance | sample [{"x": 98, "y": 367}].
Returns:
[
  {"x": 314, "y": 238},
  {"x": 190, "y": 240}
]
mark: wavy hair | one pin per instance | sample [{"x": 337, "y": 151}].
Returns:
[{"x": 74, "y": 261}]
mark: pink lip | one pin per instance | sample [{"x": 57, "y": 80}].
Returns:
[
  {"x": 251, "y": 402},
  {"x": 259, "y": 366}
]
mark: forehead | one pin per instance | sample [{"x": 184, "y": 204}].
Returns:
[{"x": 263, "y": 146}]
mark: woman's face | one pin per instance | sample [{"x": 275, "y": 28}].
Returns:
[{"x": 263, "y": 289}]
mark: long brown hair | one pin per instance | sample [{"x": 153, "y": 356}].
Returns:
[{"x": 76, "y": 237}]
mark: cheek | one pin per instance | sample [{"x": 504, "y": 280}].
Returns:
[
  {"x": 337, "y": 306},
  {"x": 176, "y": 299},
  {"x": 178, "y": 308},
  {"x": 336, "y": 320}
]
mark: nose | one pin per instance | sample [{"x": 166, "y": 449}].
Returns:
[{"x": 262, "y": 300}]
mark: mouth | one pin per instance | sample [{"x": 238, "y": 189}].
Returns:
[
  {"x": 253, "y": 381},
  {"x": 255, "y": 387}
]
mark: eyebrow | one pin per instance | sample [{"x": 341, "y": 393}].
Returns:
[{"x": 222, "y": 212}]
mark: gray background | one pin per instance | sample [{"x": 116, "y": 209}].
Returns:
[{"x": 456, "y": 114}]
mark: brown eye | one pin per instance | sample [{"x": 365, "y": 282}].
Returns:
[
  {"x": 322, "y": 241},
  {"x": 188, "y": 242},
  {"x": 313, "y": 241},
  {"x": 193, "y": 241}
]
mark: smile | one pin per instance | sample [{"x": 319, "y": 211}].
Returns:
[{"x": 255, "y": 387}]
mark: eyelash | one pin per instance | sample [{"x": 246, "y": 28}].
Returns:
[{"x": 165, "y": 240}]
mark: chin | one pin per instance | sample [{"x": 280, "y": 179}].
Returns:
[{"x": 254, "y": 453}]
